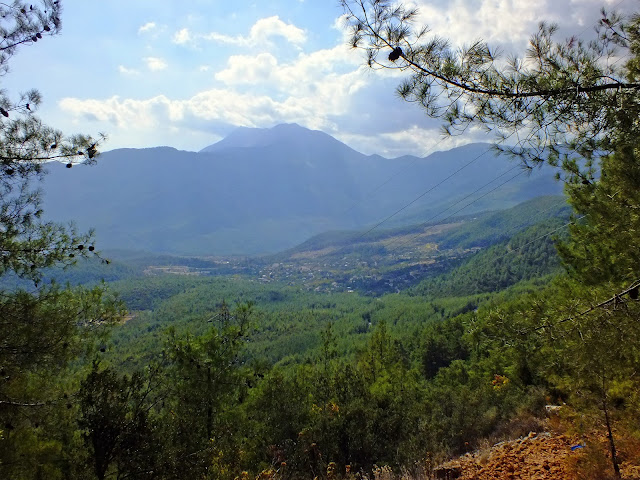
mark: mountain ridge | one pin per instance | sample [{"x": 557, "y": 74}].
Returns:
[
  {"x": 275, "y": 191},
  {"x": 245, "y": 137}
]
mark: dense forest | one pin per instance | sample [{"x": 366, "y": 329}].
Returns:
[{"x": 337, "y": 357}]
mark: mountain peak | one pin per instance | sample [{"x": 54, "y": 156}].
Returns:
[{"x": 291, "y": 134}]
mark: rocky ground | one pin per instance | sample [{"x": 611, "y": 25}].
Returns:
[{"x": 543, "y": 456}]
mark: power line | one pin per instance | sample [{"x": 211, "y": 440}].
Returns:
[
  {"x": 432, "y": 188},
  {"x": 480, "y": 197},
  {"x": 435, "y": 216},
  {"x": 420, "y": 196},
  {"x": 401, "y": 170},
  {"x": 527, "y": 223},
  {"x": 538, "y": 238},
  {"x": 633, "y": 287},
  {"x": 462, "y": 200}
]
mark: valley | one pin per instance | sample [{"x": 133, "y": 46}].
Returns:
[{"x": 268, "y": 267}]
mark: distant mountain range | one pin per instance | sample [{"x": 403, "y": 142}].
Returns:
[{"x": 264, "y": 190}]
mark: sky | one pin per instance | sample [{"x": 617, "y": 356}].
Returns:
[{"x": 186, "y": 73}]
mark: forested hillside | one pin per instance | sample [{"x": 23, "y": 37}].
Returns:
[{"x": 286, "y": 353}]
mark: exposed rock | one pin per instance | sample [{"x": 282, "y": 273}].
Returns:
[{"x": 533, "y": 457}]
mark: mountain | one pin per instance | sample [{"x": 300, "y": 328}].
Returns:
[
  {"x": 290, "y": 134},
  {"x": 264, "y": 190}
]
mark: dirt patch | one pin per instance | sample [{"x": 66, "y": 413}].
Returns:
[
  {"x": 314, "y": 253},
  {"x": 536, "y": 456},
  {"x": 128, "y": 316}
]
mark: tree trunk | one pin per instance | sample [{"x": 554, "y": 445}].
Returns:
[
  {"x": 209, "y": 406},
  {"x": 612, "y": 444}
]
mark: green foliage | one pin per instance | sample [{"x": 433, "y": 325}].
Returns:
[
  {"x": 308, "y": 383},
  {"x": 526, "y": 255},
  {"x": 27, "y": 242},
  {"x": 117, "y": 429},
  {"x": 204, "y": 382},
  {"x": 42, "y": 333},
  {"x": 496, "y": 227},
  {"x": 573, "y": 108},
  {"x": 602, "y": 245}
]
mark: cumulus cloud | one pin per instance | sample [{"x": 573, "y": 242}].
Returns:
[
  {"x": 420, "y": 141},
  {"x": 328, "y": 89},
  {"x": 217, "y": 107},
  {"x": 147, "y": 27},
  {"x": 260, "y": 34},
  {"x": 335, "y": 68},
  {"x": 255, "y": 91},
  {"x": 246, "y": 69},
  {"x": 211, "y": 105},
  {"x": 155, "y": 64}
]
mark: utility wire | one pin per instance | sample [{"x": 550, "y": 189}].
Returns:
[
  {"x": 527, "y": 223},
  {"x": 520, "y": 248},
  {"x": 435, "y": 216},
  {"x": 426, "y": 222},
  {"x": 633, "y": 287},
  {"x": 429, "y": 190},
  {"x": 420, "y": 196},
  {"x": 401, "y": 170},
  {"x": 469, "y": 195}
]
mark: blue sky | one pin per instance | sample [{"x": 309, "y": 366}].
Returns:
[{"x": 185, "y": 73}]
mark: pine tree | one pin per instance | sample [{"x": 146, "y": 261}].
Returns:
[
  {"x": 574, "y": 104},
  {"x": 561, "y": 102},
  {"x": 27, "y": 243},
  {"x": 41, "y": 330}
]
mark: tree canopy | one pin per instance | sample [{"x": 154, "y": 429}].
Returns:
[
  {"x": 307, "y": 385},
  {"x": 573, "y": 103}
]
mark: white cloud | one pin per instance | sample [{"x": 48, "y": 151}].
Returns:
[
  {"x": 182, "y": 37},
  {"x": 509, "y": 23},
  {"x": 306, "y": 74},
  {"x": 328, "y": 89},
  {"x": 313, "y": 90},
  {"x": 245, "y": 69},
  {"x": 155, "y": 64},
  {"x": 219, "y": 105},
  {"x": 161, "y": 117},
  {"x": 147, "y": 27},
  {"x": 266, "y": 28},
  {"x": 412, "y": 139},
  {"x": 260, "y": 34},
  {"x": 127, "y": 71}
]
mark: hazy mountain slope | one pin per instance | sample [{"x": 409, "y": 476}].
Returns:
[
  {"x": 263, "y": 190},
  {"x": 480, "y": 230}
]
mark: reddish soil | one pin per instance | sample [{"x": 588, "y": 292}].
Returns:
[{"x": 535, "y": 457}]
